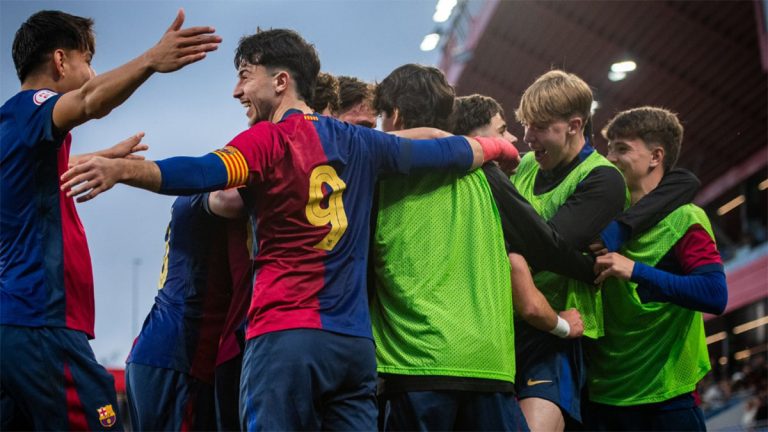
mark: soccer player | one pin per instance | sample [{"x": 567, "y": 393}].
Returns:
[
  {"x": 442, "y": 308},
  {"x": 578, "y": 192},
  {"x": 355, "y": 102},
  {"x": 309, "y": 360},
  {"x": 49, "y": 378},
  {"x": 170, "y": 370},
  {"x": 326, "y": 97},
  {"x": 643, "y": 371}
]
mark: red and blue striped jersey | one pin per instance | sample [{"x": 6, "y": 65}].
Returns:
[
  {"x": 184, "y": 326},
  {"x": 46, "y": 279},
  {"x": 312, "y": 181}
]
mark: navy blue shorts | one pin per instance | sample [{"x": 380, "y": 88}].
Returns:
[
  {"x": 227, "y": 385},
  {"x": 50, "y": 380},
  {"x": 677, "y": 414},
  {"x": 308, "y": 379},
  {"x": 452, "y": 410},
  {"x": 550, "y": 368},
  {"x": 168, "y": 400}
]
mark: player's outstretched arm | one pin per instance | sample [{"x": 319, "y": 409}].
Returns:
[
  {"x": 98, "y": 174},
  {"x": 174, "y": 176},
  {"x": 177, "y": 48},
  {"x": 533, "y": 307},
  {"x": 421, "y": 133},
  {"x": 126, "y": 148}
]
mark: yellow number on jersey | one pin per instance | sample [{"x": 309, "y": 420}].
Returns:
[
  {"x": 164, "y": 269},
  {"x": 334, "y": 214}
]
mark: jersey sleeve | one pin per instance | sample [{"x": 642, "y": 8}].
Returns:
[
  {"x": 701, "y": 287},
  {"x": 35, "y": 112},
  {"x": 596, "y": 201},
  {"x": 391, "y": 153},
  {"x": 260, "y": 147}
]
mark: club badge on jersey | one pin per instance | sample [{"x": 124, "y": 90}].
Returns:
[{"x": 107, "y": 416}]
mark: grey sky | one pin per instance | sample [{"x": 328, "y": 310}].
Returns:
[{"x": 191, "y": 112}]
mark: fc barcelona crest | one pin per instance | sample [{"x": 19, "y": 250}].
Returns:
[{"x": 107, "y": 416}]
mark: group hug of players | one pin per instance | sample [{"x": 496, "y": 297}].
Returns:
[{"x": 321, "y": 274}]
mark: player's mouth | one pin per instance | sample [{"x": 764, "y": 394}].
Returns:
[{"x": 539, "y": 154}]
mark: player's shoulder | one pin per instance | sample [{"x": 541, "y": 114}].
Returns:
[{"x": 27, "y": 102}]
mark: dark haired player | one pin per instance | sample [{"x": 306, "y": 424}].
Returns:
[
  {"x": 326, "y": 98},
  {"x": 206, "y": 268},
  {"x": 643, "y": 372},
  {"x": 355, "y": 102},
  {"x": 442, "y": 307},
  {"x": 309, "y": 360},
  {"x": 49, "y": 378}
]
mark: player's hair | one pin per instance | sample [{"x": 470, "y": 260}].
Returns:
[
  {"x": 326, "y": 93},
  {"x": 352, "y": 91},
  {"x": 421, "y": 94},
  {"x": 46, "y": 31},
  {"x": 282, "y": 48},
  {"x": 655, "y": 126},
  {"x": 556, "y": 95},
  {"x": 474, "y": 111}
]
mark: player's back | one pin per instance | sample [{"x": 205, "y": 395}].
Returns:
[
  {"x": 443, "y": 303},
  {"x": 313, "y": 185},
  {"x": 183, "y": 328}
]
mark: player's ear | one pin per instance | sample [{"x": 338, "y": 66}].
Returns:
[
  {"x": 397, "y": 119},
  {"x": 282, "y": 80},
  {"x": 657, "y": 156},
  {"x": 574, "y": 125},
  {"x": 58, "y": 58}
]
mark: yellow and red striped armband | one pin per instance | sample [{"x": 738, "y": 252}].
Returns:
[{"x": 237, "y": 167}]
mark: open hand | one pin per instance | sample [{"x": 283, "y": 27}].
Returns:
[
  {"x": 179, "y": 47},
  {"x": 90, "y": 178}
]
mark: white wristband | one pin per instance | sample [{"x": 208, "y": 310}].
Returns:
[{"x": 562, "y": 329}]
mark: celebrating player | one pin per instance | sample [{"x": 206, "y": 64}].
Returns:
[
  {"x": 46, "y": 282},
  {"x": 355, "y": 102},
  {"x": 643, "y": 371},
  {"x": 578, "y": 192},
  {"x": 312, "y": 179},
  {"x": 326, "y": 96},
  {"x": 170, "y": 370}
]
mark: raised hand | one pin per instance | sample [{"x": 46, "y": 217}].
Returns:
[
  {"x": 89, "y": 178},
  {"x": 179, "y": 47}
]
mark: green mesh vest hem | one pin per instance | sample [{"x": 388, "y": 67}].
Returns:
[
  {"x": 443, "y": 299},
  {"x": 651, "y": 352}
]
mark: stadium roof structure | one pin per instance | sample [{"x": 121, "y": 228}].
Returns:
[{"x": 706, "y": 61}]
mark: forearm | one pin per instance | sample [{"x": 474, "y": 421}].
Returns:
[
  {"x": 529, "y": 303},
  {"x": 101, "y": 94},
  {"x": 421, "y": 133},
  {"x": 705, "y": 291},
  {"x": 139, "y": 173}
]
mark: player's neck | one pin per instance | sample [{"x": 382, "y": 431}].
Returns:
[
  {"x": 41, "y": 81},
  {"x": 289, "y": 103},
  {"x": 645, "y": 185}
]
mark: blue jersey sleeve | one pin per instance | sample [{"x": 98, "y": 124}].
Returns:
[
  {"x": 704, "y": 290},
  {"x": 395, "y": 154},
  {"x": 34, "y": 113}
]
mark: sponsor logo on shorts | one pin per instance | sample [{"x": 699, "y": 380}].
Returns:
[
  {"x": 532, "y": 382},
  {"x": 107, "y": 416},
  {"x": 42, "y": 96}
]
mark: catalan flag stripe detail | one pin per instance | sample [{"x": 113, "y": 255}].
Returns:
[{"x": 237, "y": 167}]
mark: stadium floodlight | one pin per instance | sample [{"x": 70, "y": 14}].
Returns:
[
  {"x": 763, "y": 185},
  {"x": 730, "y": 205},
  {"x": 717, "y": 337},
  {"x": 616, "y": 76},
  {"x": 430, "y": 42},
  {"x": 443, "y": 10},
  {"x": 624, "y": 66},
  {"x": 750, "y": 325}
]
